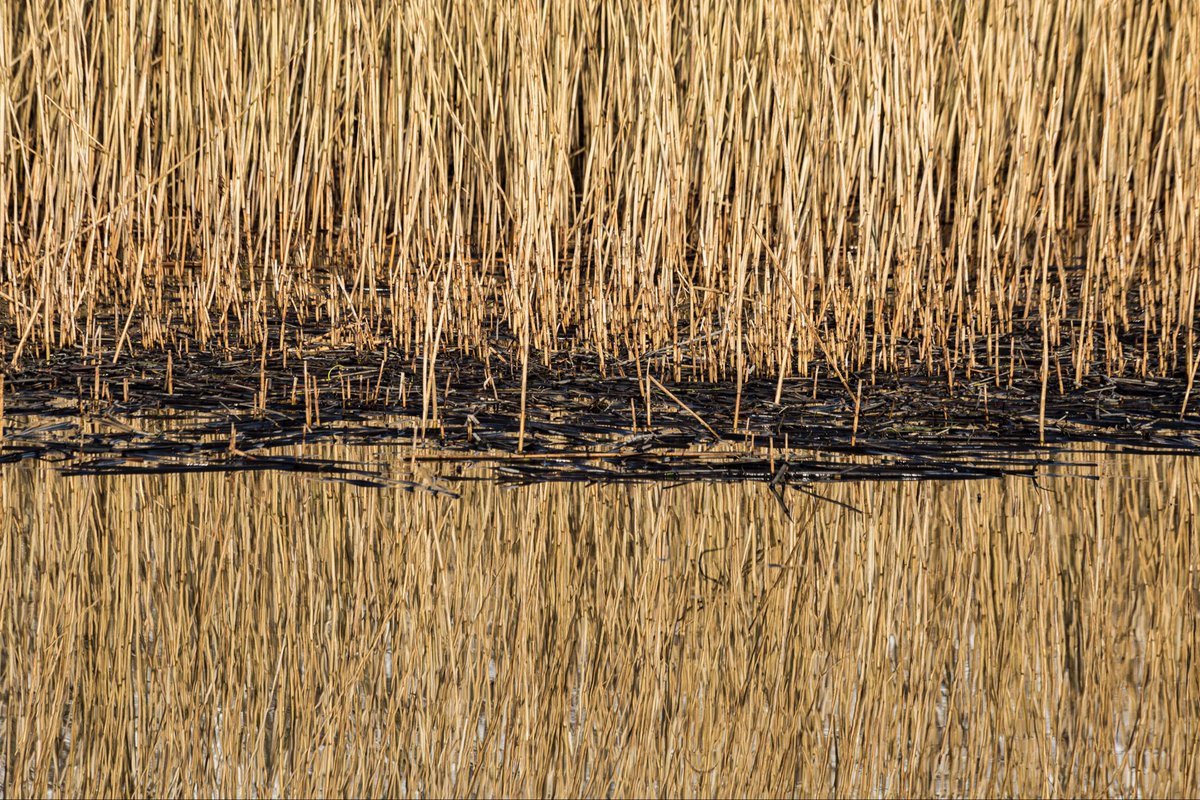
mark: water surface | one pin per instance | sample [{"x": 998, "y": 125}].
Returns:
[{"x": 271, "y": 633}]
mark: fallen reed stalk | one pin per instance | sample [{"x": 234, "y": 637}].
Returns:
[{"x": 685, "y": 407}]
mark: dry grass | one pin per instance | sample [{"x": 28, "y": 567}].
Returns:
[
  {"x": 759, "y": 184},
  {"x": 266, "y": 634}
]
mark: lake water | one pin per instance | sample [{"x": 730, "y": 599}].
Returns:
[{"x": 275, "y": 634}]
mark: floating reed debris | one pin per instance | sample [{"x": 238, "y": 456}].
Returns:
[
  {"x": 906, "y": 428},
  {"x": 738, "y": 187}
]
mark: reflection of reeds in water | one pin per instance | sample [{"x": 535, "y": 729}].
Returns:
[
  {"x": 773, "y": 185},
  {"x": 260, "y": 634}
]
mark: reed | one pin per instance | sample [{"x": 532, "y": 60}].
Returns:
[{"x": 885, "y": 187}]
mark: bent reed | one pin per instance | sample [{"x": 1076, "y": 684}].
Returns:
[{"x": 760, "y": 185}]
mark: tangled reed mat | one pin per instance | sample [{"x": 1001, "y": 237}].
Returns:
[{"x": 225, "y": 409}]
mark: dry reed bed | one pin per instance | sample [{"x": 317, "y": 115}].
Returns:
[
  {"x": 760, "y": 184},
  {"x": 261, "y": 634}
]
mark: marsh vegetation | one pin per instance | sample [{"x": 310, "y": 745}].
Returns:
[
  {"x": 883, "y": 188},
  {"x": 742, "y": 294}
]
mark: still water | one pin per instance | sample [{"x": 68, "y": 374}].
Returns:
[{"x": 274, "y": 634}]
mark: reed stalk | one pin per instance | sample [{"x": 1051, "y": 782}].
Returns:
[{"x": 882, "y": 187}]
